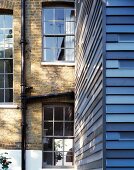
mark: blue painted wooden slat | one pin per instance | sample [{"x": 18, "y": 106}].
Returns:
[
  {"x": 120, "y": 162},
  {"x": 120, "y": 3},
  {"x": 120, "y": 46},
  {"x": 120, "y": 145},
  {"x": 120, "y": 11},
  {"x": 119, "y": 73},
  {"x": 120, "y": 28},
  {"x": 120, "y": 90},
  {"x": 120, "y": 118},
  {"x": 120, "y": 109},
  {"x": 119, "y": 99}
]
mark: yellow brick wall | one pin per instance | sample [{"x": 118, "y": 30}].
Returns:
[{"x": 44, "y": 79}]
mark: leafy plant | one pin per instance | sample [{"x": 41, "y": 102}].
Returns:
[{"x": 4, "y": 161}]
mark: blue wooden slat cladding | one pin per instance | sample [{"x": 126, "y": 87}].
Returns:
[
  {"x": 120, "y": 85},
  {"x": 89, "y": 84}
]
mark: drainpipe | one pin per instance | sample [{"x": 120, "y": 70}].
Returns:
[{"x": 23, "y": 88}]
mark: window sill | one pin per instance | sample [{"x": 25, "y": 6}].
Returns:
[
  {"x": 58, "y": 63},
  {"x": 9, "y": 106}
]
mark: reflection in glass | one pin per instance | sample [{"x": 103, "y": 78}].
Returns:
[
  {"x": 1, "y": 53},
  {"x": 69, "y": 14},
  {"x": 48, "y": 14},
  {"x": 59, "y": 14},
  {"x": 48, "y": 144},
  {"x": 59, "y": 27},
  {"x": 1, "y": 81},
  {"x": 49, "y": 27},
  {"x": 8, "y": 95},
  {"x": 48, "y": 113},
  {"x": 69, "y": 54},
  {"x": 58, "y": 113},
  {"x": 1, "y": 66},
  {"x": 69, "y": 42},
  {"x": 1, "y": 95},
  {"x": 68, "y": 158},
  {"x": 58, "y": 144},
  {"x": 49, "y": 55},
  {"x": 8, "y": 53},
  {"x": 48, "y": 158},
  {"x": 69, "y": 129},
  {"x": 68, "y": 144},
  {"x": 69, "y": 27},
  {"x": 8, "y": 21},
  {"x": 48, "y": 128},
  {"x": 69, "y": 114},
  {"x": 1, "y": 21},
  {"x": 1, "y": 38},
  {"x": 58, "y": 128},
  {"x": 49, "y": 42},
  {"x": 58, "y": 158}
]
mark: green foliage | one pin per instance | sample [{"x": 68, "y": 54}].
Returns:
[{"x": 4, "y": 161}]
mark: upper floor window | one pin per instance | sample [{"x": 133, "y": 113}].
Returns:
[
  {"x": 6, "y": 58},
  {"x": 58, "y": 34},
  {"x": 58, "y": 135}
]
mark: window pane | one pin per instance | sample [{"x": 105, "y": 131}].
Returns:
[
  {"x": 8, "y": 21},
  {"x": 69, "y": 113},
  {"x": 1, "y": 21},
  {"x": 69, "y": 54},
  {"x": 48, "y": 144},
  {"x": 49, "y": 27},
  {"x": 48, "y": 129},
  {"x": 1, "y": 66},
  {"x": 69, "y": 43},
  {"x": 69, "y": 27},
  {"x": 48, "y": 113},
  {"x": 58, "y": 129},
  {"x": 1, "y": 95},
  {"x": 68, "y": 145},
  {"x": 59, "y": 54},
  {"x": 47, "y": 158},
  {"x": 69, "y": 14},
  {"x": 1, "y": 81},
  {"x": 49, "y": 42},
  {"x": 59, "y": 41},
  {"x": 58, "y": 144},
  {"x": 9, "y": 81},
  {"x": 58, "y": 115},
  {"x": 49, "y": 55},
  {"x": 69, "y": 129},
  {"x": 8, "y": 95},
  {"x": 59, "y": 28},
  {"x": 1, "y": 53},
  {"x": 68, "y": 158},
  {"x": 58, "y": 158},
  {"x": 48, "y": 14},
  {"x": 59, "y": 14},
  {"x": 9, "y": 66},
  {"x": 1, "y": 38}
]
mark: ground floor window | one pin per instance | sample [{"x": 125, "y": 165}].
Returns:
[{"x": 58, "y": 136}]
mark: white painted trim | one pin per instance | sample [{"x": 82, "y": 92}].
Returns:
[
  {"x": 9, "y": 106},
  {"x": 58, "y": 63}
]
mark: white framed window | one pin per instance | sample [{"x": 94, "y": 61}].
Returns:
[
  {"x": 58, "y": 34},
  {"x": 58, "y": 136},
  {"x": 6, "y": 58}
]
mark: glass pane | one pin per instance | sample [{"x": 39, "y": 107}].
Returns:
[
  {"x": 1, "y": 38},
  {"x": 48, "y": 128},
  {"x": 49, "y": 27},
  {"x": 1, "y": 95},
  {"x": 69, "y": 114},
  {"x": 69, "y": 27},
  {"x": 69, "y": 131},
  {"x": 58, "y": 129},
  {"x": 47, "y": 158},
  {"x": 8, "y": 21},
  {"x": 59, "y": 14},
  {"x": 69, "y": 54},
  {"x": 49, "y": 55},
  {"x": 68, "y": 145},
  {"x": 1, "y": 53},
  {"x": 48, "y": 113},
  {"x": 1, "y": 66},
  {"x": 69, "y": 43},
  {"x": 58, "y": 113},
  {"x": 49, "y": 42},
  {"x": 59, "y": 28},
  {"x": 1, "y": 81},
  {"x": 48, "y": 144},
  {"x": 1, "y": 21},
  {"x": 68, "y": 158},
  {"x": 48, "y": 14},
  {"x": 9, "y": 81},
  {"x": 58, "y": 144},
  {"x": 69, "y": 14},
  {"x": 59, "y": 54},
  {"x": 59, "y": 41},
  {"x": 58, "y": 159},
  {"x": 8, "y": 95},
  {"x": 8, "y": 53},
  {"x": 9, "y": 66}
]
